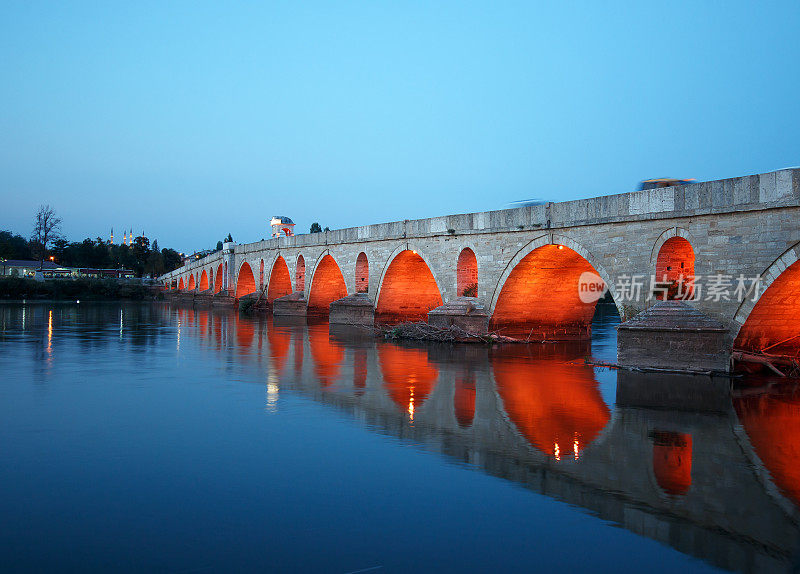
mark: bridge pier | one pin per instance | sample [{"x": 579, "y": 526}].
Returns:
[
  {"x": 355, "y": 309},
  {"x": 292, "y": 305},
  {"x": 467, "y": 313},
  {"x": 672, "y": 335}
]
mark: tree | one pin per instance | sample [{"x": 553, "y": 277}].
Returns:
[
  {"x": 219, "y": 245},
  {"x": 316, "y": 228},
  {"x": 326, "y": 228},
  {"x": 229, "y": 239},
  {"x": 14, "y": 246},
  {"x": 46, "y": 226}
]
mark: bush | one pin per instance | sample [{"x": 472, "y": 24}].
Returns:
[{"x": 81, "y": 288}]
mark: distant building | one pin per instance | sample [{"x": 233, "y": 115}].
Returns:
[
  {"x": 24, "y": 267},
  {"x": 282, "y": 226}
]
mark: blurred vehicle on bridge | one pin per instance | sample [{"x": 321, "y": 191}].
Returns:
[{"x": 663, "y": 182}]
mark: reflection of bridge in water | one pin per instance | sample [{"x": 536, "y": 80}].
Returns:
[{"x": 693, "y": 480}]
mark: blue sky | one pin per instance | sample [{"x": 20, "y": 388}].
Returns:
[{"x": 189, "y": 120}]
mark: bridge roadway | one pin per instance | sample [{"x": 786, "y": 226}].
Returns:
[
  {"x": 688, "y": 478},
  {"x": 522, "y": 266}
]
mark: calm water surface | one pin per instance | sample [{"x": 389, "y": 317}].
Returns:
[{"x": 162, "y": 439}]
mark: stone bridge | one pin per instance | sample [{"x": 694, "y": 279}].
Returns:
[{"x": 519, "y": 270}]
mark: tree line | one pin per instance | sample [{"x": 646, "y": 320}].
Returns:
[{"x": 46, "y": 242}]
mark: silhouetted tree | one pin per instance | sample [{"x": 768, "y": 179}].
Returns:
[
  {"x": 46, "y": 225},
  {"x": 14, "y": 246},
  {"x": 316, "y": 228},
  {"x": 229, "y": 238},
  {"x": 219, "y": 245}
]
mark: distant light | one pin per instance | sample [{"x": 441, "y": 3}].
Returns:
[
  {"x": 414, "y": 252},
  {"x": 78, "y": 301},
  {"x": 561, "y": 247}
]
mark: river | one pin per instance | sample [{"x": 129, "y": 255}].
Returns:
[{"x": 148, "y": 437}]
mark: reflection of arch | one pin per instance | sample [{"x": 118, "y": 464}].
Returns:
[
  {"x": 467, "y": 274},
  {"x": 300, "y": 274},
  {"x": 672, "y": 461},
  {"x": 180, "y": 284},
  {"x": 674, "y": 265},
  {"x": 245, "y": 332},
  {"x": 772, "y": 423},
  {"x": 464, "y": 398},
  {"x": 773, "y": 322},
  {"x": 191, "y": 282},
  {"x": 279, "y": 342},
  {"x": 359, "y": 370},
  {"x": 245, "y": 281},
  {"x": 218, "y": 279},
  {"x": 203, "y": 281},
  {"x": 556, "y": 406},
  {"x": 327, "y": 285},
  {"x": 408, "y": 289},
  {"x": 280, "y": 282},
  {"x": 325, "y": 353},
  {"x": 408, "y": 376},
  {"x": 362, "y": 273},
  {"x": 539, "y": 292}
]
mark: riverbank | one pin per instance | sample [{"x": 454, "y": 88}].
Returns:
[{"x": 88, "y": 289}]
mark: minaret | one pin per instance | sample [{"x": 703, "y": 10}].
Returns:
[{"x": 112, "y": 235}]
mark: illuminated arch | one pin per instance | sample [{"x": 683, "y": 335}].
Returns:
[
  {"x": 191, "y": 283},
  {"x": 467, "y": 274},
  {"x": 773, "y": 322},
  {"x": 203, "y": 281},
  {"x": 280, "y": 282},
  {"x": 674, "y": 260},
  {"x": 300, "y": 275},
  {"x": 327, "y": 285},
  {"x": 538, "y": 293},
  {"x": 362, "y": 273},
  {"x": 180, "y": 284},
  {"x": 246, "y": 281},
  {"x": 218, "y": 279},
  {"x": 408, "y": 289}
]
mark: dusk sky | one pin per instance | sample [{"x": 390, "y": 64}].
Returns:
[{"x": 189, "y": 120}]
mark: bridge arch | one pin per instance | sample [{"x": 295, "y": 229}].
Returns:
[
  {"x": 327, "y": 285},
  {"x": 467, "y": 273},
  {"x": 218, "y": 279},
  {"x": 280, "y": 282},
  {"x": 245, "y": 281},
  {"x": 408, "y": 289},
  {"x": 203, "y": 281},
  {"x": 362, "y": 273},
  {"x": 554, "y": 263},
  {"x": 673, "y": 258},
  {"x": 191, "y": 285},
  {"x": 773, "y": 321},
  {"x": 300, "y": 274},
  {"x": 181, "y": 284}
]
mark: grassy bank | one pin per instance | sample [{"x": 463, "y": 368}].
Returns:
[{"x": 83, "y": 288}]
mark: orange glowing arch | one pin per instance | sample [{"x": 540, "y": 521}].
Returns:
[
  {"x": 280, "y": 281},
  {"x": 218, "y": 279},
  {"x": 246, "y": 281},
  {"x": 541, "y": 296},
  {"x": 191, "y": 283},
  {"x": 327, "y": 285},
  {"x": 203, "y": 281},
  {"x": 408, "y": 290}
]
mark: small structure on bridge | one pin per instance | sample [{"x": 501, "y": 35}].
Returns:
[{"x": 282, "y": 226}]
